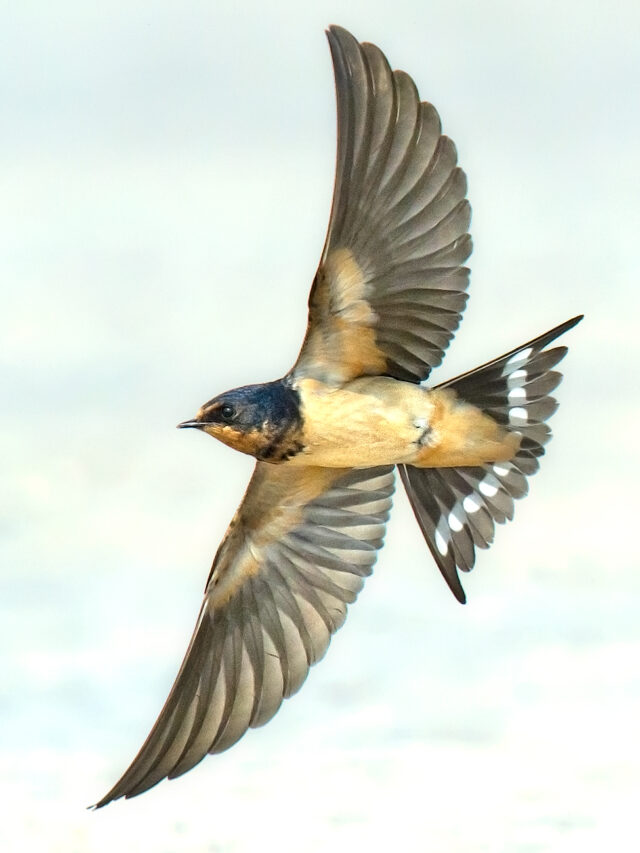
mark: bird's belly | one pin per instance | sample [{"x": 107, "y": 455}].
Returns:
[
  {"x": 368, "y": 422},
  {"x": 382, "y": 421}
]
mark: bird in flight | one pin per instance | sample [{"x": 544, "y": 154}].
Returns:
[{"x": 385, "y": 302}]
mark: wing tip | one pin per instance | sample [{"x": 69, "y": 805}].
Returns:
[
  {"x": 110, "y": 797},
  {"x": 101, "y": 803},
  {"x": 336, "y": 34}
]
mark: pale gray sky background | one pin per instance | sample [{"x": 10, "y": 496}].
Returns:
[{"x": 166, "y": 173}]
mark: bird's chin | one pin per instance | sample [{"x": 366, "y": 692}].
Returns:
[{"x": 249, "y": 442}]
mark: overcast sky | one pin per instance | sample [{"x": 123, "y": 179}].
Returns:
[{"x": 166, "y": 173}]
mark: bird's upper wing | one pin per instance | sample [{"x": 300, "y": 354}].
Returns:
[
  {"x": 294, "y": 556},
  {"x": 390, "y": 288}
]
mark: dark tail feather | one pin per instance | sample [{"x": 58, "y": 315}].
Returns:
[{"x": 458, "y": 508}]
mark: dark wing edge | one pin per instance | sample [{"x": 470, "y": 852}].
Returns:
[
  {"x": 457, "y": 508},
  {"x": 253, "y": 645},
  {"x": 391, "y": 287}
]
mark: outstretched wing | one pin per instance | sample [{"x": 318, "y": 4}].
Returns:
[
  {"x": 390, "y": 288},
  {"x": 294, "y": 556}
]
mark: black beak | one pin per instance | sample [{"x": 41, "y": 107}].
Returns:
[{"x": 185, "y": 424}]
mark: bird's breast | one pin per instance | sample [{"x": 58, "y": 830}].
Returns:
[{"x": 367, "y": 422}]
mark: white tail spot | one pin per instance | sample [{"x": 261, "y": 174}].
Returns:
[
  {"x": 519, "y": 357},
  {"x": 454, "y": 521},
  {"x": 518, "y": 416},
  {"x": 489, "y": 486},
  {"x": 500, "y": 470},
  {"x": 470, "y": 504},
  {"x": 517, "y": 394},
  {"x": 518, "y": 377},
  {"x": 441, "y": 544}
]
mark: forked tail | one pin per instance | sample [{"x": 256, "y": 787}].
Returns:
[{"x": 457, "y": 508}]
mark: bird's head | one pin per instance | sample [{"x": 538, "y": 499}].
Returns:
[{"x": 261, "y": 420}]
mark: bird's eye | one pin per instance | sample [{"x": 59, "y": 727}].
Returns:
[{"x": 227, "y": 412}]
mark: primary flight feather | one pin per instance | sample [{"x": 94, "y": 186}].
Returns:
[{"x": 385, "y": 302}]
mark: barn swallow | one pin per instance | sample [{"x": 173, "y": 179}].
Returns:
[{"x": 385, "y": 302}]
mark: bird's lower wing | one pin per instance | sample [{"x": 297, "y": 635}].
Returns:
[
  {"x": 294, "y": 557},
  {"x": 390, "y": 288}
]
